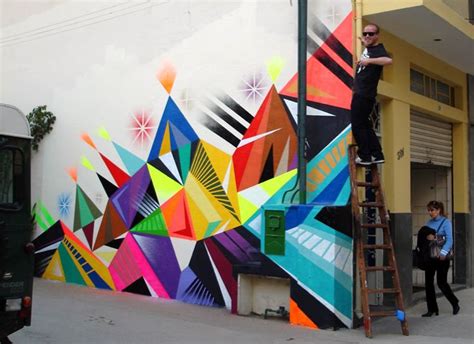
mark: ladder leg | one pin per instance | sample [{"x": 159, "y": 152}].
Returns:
[{"x": 364, "y": 292}]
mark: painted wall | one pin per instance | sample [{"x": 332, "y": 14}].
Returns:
[{"x": 176, "y": 125}]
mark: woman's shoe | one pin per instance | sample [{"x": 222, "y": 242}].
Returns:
[
  {"x": 456, "y": 309},
  {"x": 429, "y": 314}
]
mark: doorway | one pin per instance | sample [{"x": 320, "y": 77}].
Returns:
[{"x": 428, "y": 182}]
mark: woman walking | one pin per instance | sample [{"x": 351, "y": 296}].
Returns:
[{"x": 439, "y": 266}]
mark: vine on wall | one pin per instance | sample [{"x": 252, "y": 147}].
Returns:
[{"x": 41, "y": 123}]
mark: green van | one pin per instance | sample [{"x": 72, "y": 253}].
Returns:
[{"x": 16, "y": 249}]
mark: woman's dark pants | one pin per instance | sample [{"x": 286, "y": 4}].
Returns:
[{"x": 441, "y": 269}]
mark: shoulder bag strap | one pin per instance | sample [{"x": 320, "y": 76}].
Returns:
[{"x": 440, "y": 225}]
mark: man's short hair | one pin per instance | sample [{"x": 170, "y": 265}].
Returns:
[{"x": 377, "y": 29}]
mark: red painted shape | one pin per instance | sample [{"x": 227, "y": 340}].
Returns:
[
  {"x": 71, "y": 237},
  {"x": 249, "y": 160},
  {"x": 224, "y": 268},
  {"x": 89, "y": 233},
  {"x": 344, "y": 32},
  {"x": 118, "y": 174},
  {"x": 323, "y": 86}
]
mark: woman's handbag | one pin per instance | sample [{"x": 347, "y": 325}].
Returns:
[
  {"x": 437, "y": 244},
  {"x": 435, "y": 248}
]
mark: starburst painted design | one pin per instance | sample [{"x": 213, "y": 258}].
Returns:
[
  {"x": 334, "y": 15},
  {"x": 64, "y": 204},
  {"x": 142, "y": 125},
  {"x": 186, "y": 100},
  {"x": 254, "y": 87}
]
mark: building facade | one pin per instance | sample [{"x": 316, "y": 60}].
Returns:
[
  {"x": 172, "y": 168},
  {"x": 425, "y": 122}
]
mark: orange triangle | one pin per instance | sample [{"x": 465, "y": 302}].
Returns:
[
  {"x": 298, "y": 317},
  {"x": 176, "y": 215}
]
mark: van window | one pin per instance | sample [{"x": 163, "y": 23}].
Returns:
[{"x": 12, "y": 178}]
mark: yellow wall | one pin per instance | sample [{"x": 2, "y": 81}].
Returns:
[
  {"x": 453, "y": 12},
  {"x": 396, "y": 147},
  {"x": 397, "y": 99}
]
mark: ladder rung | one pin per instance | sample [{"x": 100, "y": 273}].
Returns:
[
  {"x": 379, "y": 268},
  {"x": 371, "y": 204},
  {"x": 383, "y": 291},
  {"x": 383, "y": 313},
  {"x": 379, "y": 246},
  {"x": 373, "y": 225},
  {"x": 367, "y": 184}
]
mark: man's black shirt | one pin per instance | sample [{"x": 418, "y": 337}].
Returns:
[{"x": 367, "y": 77}]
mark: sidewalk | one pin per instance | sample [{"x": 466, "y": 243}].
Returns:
[{"x": 70, "y": 314}]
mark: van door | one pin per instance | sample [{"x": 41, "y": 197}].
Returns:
[{"x": 16, "y": 249}]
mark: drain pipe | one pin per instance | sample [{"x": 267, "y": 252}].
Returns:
[
  {"x": 357, "y": 26},
  {"x": 302, "y": 47}
]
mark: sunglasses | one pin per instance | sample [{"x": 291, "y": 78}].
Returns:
[{"x": 369, "y": 33}]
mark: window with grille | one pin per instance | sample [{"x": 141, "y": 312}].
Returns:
[{"x": 432, "y": 88}]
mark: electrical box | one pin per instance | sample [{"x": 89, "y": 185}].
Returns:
[{"x": 275, "y": 232}]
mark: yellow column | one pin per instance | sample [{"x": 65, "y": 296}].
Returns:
[
  {"x": 396, "y": 147},
  {"x": 461, "y": 168},
  {"x": 357, "y": 28}
]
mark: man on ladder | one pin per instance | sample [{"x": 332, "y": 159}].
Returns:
[
  {"x": 369, "y": 153},
  {"x": 368, "y": 71}
]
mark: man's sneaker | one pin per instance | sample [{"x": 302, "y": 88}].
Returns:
[
  {"x": 378, "y": 160},
  {"x": 359, "y": 161}
]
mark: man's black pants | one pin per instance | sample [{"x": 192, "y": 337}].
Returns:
[
  {"x": 362, "y": 128},
  {"x": 441, "y": 269}
]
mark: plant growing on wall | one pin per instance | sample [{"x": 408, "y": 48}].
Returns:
[{"x": 41, "y": 123}]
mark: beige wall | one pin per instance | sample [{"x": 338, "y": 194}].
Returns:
[{"x": 460, "y": 6}]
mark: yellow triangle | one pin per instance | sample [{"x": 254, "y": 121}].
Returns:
[
  {"x": 105, "y": 254},
  {"x": 201, "y": 206},
  {"x": 165, "y": 187},
  {"x": 220, "y": 162},
  {"x": 247, "y": 209},
  {"x": 232, "y": 192},
  {"x": 54, "y": 271},
  {"x": 274, "y": 67},
  {"x": 219, "y": 159},
  {"x": 166, "y": 143},
  {"x": 211, "y": 208},
  {"x": 273, "y": 185}
]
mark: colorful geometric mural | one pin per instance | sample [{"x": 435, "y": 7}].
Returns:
[{"x": 176, "y": 225}]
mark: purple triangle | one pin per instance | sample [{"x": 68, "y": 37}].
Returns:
[
  {"x": 178, "y": 136},
  {"x": 129, "y": 196},
  {"x": 160, "y": 254}
]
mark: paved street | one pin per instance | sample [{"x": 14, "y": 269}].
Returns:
[{"x": 74, "y": 314}]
